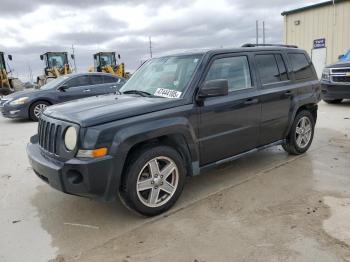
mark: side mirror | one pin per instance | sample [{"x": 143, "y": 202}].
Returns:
[
  {"x": 62, "y": 88},
  {"x": 72, "y": 56},
  {"x": 118, "y": 56},
  {"x": 340, "y": 57},
  {"x": 10, "y": 57},
  {"x": 95, "y": 57},
  {"x": 41, "y": 57},
  {"x": 212, "y": 88}
]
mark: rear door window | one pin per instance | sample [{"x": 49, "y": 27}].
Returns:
[
  {"x": 96, "y": 80},
  {"x": 301, "y": 66},
  {"x": 271, "y": 68},
  {"x": 267, "y": 68},
  {"x": 282, "y": 68},
  {"x": 79, "y": 81},
  {"x": 110, "y": 79}
]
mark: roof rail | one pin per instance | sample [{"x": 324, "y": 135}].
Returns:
[{"x": 256, "y": 45}]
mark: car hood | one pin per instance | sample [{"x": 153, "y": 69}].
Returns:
[
  {"x": 102, "y": 109},
  {"x": 25, "y": 93},
  {"x": 339, "y": 65}
]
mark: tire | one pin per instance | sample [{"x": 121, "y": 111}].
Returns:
[
  {"x": 5, "y": 91},
  {"x": 300, "y": 137},
  {"x": 140, "y": 183},
  {"x": 333, "y": 101},
  {"x": 33, "y": 113}
]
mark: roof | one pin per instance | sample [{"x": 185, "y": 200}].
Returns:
[
  {"x": 105, "y": 53},
  {"x": 309, "y": 7},
  {"x": 233, "y": 50},
  {"x": 55, "y": 53},
  {"x": 90, "y": 73}
]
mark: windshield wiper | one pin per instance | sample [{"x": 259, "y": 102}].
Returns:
[{"x": 138, "y": 92}]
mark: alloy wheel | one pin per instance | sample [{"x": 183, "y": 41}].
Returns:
[
  {"x": 38, "y": 109},
  {"x": 157, "y": 182},
  {"x": 303, "y": 132}
]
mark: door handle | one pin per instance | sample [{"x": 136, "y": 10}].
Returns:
[
  {"x": 113, "y": 86},
  {"x": 86, "y": 90},
  {"x": 251, "y": 101},
  {"x": 288, "y": 93}
]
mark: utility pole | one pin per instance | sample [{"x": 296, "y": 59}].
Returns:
[
  {"x": 75, "y": 66},
  {"x": 264, "y": 33},
  {"x": 150, "y": 46},
  {"x": 30, "y": 73},
  {"x": 333, "y": 32},
  {"x": 257, "y": 31}
]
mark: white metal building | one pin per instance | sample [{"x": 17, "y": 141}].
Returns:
[{"x": 323, "y": 30}]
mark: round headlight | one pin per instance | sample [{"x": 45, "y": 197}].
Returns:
[{"x": 70, "y": 138}]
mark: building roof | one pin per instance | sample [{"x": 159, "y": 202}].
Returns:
[{"x": 309, "y": 7}]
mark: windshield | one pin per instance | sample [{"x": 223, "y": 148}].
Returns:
[
  {"x": 165, "y": 76},
  {"x": 107, "y": 59},
  {"x": 57, "y": 60},
  {"x": 54, "y": 83}
]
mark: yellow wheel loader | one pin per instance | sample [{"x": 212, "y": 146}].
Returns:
[
  {"x": 8, "y": 84},
  {"x": 106, "y": 62},
  {"x": 56, "y": 64}
]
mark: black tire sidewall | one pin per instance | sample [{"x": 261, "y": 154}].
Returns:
[
  {"x": 32, "y": 116},
  {"x": 136, "y": 163},
  {"x": 292, "y": 138}
]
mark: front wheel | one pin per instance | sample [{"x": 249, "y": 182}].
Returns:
[
  {"x": 301, "y": 134},
  {"x": 153, "y": 180},
  {"x": 36, "y": 109}
]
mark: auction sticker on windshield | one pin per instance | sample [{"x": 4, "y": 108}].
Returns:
[{"x": 167, "y": 93}]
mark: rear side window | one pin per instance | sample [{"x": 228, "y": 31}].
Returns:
[
  {"x": 79, "y": 81},
  {"x": 301, "y": 66},
  {"x": 234, "y": 69},
  {"x": 110, "y": 79},
  {"x": 96, "y": 80}
]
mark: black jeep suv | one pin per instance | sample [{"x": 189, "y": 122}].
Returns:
[
  {"x": 335, "y": 82},
  {"x": 178, "y": 116}
]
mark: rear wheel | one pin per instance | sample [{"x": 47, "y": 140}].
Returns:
[
  {"x": 36, "y": 109},
  {"x": 5, "y": 91},
  {"x": 301, "y": 133},
  {"x": 333, "y": 101},
  {"x": 153, "y": 180}
]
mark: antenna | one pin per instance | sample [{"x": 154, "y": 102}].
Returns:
[{"x": 30, "y": 73}]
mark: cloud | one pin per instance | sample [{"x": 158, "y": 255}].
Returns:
[{"x": 30, "y": 28}]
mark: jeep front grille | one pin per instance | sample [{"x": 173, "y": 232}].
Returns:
[{"x": 49, "y": 134}]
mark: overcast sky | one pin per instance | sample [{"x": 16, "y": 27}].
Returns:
[{"x": 32, "y": 27}]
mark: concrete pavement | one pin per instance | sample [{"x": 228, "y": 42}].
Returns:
[{"x": 268, "y": 206}]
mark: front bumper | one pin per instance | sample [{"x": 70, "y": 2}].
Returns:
[
  {"x": 335, "y": 91},
  {"x": 19, "y": 112},
  {"x": 88, "y": 178}
]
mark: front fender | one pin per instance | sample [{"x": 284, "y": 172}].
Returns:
[{"x": 127, "y": 137}]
